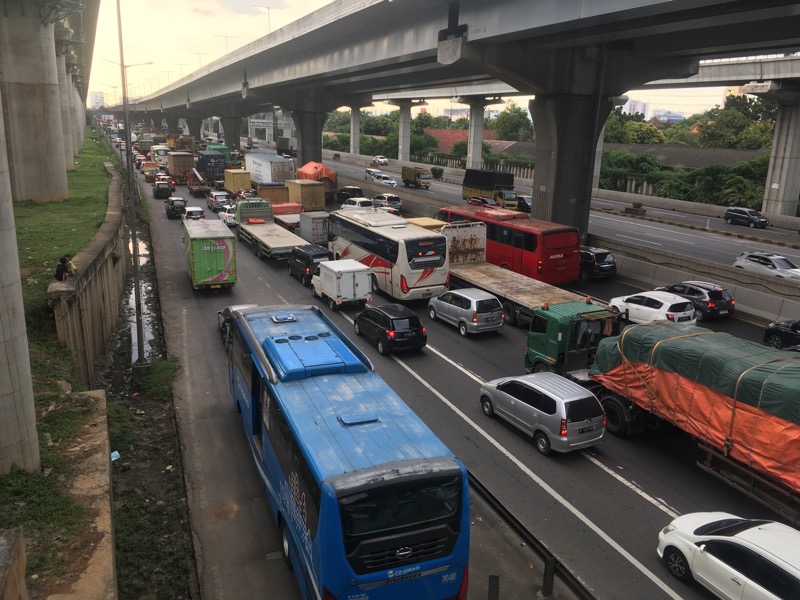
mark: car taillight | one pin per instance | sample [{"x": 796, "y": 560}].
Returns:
[
  {"x": 562, "y": 431},
  {"x": 308, "y": 269},
  {"x": 424, "y": 331},
  {"x": 462, "y": 591},
  {"x": 604, "y": 420},
  {"x": 326, "y": 595},
  {"x": 447, "y": 280},
  {"x": 733, "y": 301},
  {"x": 710, "y": 304},
  {"x": 539, "y": 267},
  {"x": 474, "y": 316},
  {"x": 390, "y": 334},
  {"x": 670, "y": 317},
  {"x": 403, "y": 284}
]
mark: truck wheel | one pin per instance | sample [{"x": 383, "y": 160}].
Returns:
[
  {"x": 462, "y": 329},
  {"x": 677, "y": 564},
  {"x": 616, "y": 424},
  {"x": 542, "y": 443},
  {"x": 541, "y": 367},
  {"x": 487, "y": 407},
  {"x": 510, "y": 314},
  {"x": 313, "y": 291},
  {"x": 332, "y": 304}
]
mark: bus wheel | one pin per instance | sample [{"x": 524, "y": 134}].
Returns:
[
  {"x": 285, "y": 547},
  {"x": 510, "y": 315}
]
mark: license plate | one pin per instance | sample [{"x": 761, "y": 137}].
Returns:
[
  {"x": 489, "y": 319},
  {"x": 684, "y": 318},
  {"x": 723, "y": 312},
  {"x": 214, "y": 287},
  {"x": 586, "y": 429}
]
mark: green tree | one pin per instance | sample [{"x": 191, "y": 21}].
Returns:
[
  {"x": 754, "y": 109},
  {"x": 681, "y": 134},
  {"x": 513, "y": 124},
  {"x": 421, "y": 122},
  {"x": 757, "y": 134},
  {"x": 462, "y": 123},
  {"x": 722, "y": 128},
  {"x": 338, "y": 121},
  {"x": 637, "y": 132}
]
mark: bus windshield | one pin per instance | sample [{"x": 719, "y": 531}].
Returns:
[{"x": 426, "y": 253}]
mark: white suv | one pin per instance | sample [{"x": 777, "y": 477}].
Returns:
[
  {"x": 357, "y": 203},
  {"x": 766, "y": 263},
  {"x": 384, "y": 179},
  {"x": 730, "y": 555}
]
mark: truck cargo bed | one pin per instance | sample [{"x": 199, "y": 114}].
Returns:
[{"x": 276, "y": 241}]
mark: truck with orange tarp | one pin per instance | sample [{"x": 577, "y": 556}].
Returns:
[{"x": 739, "y": 400}]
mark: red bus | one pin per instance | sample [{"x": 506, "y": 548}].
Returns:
[{"x": 542, "y": 250}]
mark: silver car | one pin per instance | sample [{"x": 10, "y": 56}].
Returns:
[
  {"x": 470, "y": 309},
  {"x": 557, "y": 413}
]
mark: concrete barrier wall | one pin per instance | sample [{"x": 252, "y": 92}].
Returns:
[
  {"x": 86, "y": 307},
  {"x": 12, "y": 565}
]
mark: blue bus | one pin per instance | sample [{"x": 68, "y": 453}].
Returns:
[{"x": 370, "y": 504}]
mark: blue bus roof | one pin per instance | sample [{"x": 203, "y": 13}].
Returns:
[{"x": 347, "y": 417}]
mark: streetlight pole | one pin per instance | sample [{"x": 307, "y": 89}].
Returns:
[
  {"x": 267, "y": 8},
  {"x": 181, "y": 65},
  {"x": 141, "y": 364},
  {"x": 226, "y": 40},
  {"x": 168, "y": 74},
  {"x": 199, "y": 54}
]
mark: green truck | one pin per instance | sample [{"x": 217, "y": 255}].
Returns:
[
  {"x": 736, "y": 399},
  {"x": 210, "y": 249}
]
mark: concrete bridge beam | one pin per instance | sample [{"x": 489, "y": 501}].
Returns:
[{"x": 31, "y": 105}]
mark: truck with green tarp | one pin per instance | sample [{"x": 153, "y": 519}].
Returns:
[
  {"x": 739, "y": 400},
  {"x": 210, "y": 249}
]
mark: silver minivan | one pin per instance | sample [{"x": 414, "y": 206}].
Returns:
[
  {"x": 470, "y": 309},
  {"x": 557, "y": 413}
]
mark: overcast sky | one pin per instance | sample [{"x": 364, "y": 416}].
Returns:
[{"x": 181, "y": 35}]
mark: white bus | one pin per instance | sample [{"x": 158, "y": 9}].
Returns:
[
  {"x": 407, "y": 262},
  {"x": 159, "y": 154}
]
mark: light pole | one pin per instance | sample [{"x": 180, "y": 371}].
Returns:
[
  {"x": 199, "y": 54},
  {"x": 114, "y": 88},
  {"x": 141, "y": 365},
  {"x": 268, "y": 8},
  {"x": 181, "y": 65},
  {"x": 168, "y": 74},
  {"x": 226, "y": 40}
]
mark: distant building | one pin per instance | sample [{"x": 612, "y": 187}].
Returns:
[
  {"x": 97, "y": 99},
  {"x": 667, "y": 116},
  {"x": 631, "y": 107}
]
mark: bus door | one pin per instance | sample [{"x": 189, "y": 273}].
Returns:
[{"x": 518, "y": 251}]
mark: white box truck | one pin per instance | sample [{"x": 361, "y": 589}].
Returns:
[{"x": 342, "y": 283}]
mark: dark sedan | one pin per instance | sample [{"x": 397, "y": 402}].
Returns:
[{"x": 782, "y": 334}]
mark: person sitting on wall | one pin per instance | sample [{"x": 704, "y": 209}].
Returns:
[
  {"x": 62, "y": 270},
  {"x": 71, "y": 269}
]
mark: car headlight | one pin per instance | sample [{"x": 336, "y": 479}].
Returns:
[{"x": 668, "y": 528}]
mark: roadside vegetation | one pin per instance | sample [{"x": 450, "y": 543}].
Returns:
[{"x": 153, "y": 547}]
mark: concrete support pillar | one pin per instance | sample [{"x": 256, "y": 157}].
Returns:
[
  {"x": 195, "y": 128},
  {"x": 477, "y": 106},
  {"x": 355, "y": 130},
  {"x": 31, "y": 106},
  {"x": 567, "y": 127},
  {"x": 404, "y": 130},
  {"x": 19, "y": 444},
  {"x": 232, "y": 126},
  {"x": 308, "y": 125},
  {"x": 76, "y": 114},
  {"x": 172, "y": 124},
  {"x": 783, "y": 179},
  {"x": 65, "y": 97}
]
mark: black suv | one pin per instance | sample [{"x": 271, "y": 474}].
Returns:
[
  {"x": 745, "y": 216},
  {"x": 709, "y": 299},
  {"x": 782, "y": 334},
  {"x": 303, "y": 260},
  {"x": 176, "y": 207},
  {"x": 596, "y": 263},
  {"x": 162, "y": 189},
  {"x": 348, "y": 191},
  {"x": 391, "y": 327}
]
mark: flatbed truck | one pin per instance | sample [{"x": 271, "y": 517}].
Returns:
[{"x": 257, "y": 228}]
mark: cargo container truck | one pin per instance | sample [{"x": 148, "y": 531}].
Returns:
[
  {"x": 211, "y": 165},
  {"x": 417, "y": 177},
  {"x": 198, "y": 187},
  {"x": 268, "y": 168},
  {"x": 179, "y": 166},
  {"x": 257, "y": 228},
  {"x": 210, "y": 250},
  {"x": 490, "y": 184},
  {"x": 286, "y": 146},
  {"x": 342, "y": 283},
  {"x": 307, "y": 193},
  {"x": 315, "y": 171},
  {"x": 236, "y": 179},
  {"x": 314, "y": 227}
]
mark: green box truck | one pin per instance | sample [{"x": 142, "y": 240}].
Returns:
[{"x": 210, "y": 249}]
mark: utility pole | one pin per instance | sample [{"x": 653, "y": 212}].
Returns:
[{"x": 268, "y": 8}]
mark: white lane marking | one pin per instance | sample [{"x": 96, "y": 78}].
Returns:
[{"x": 627, "y": 237}]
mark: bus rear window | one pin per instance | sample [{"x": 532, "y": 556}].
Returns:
[
  {"x": 401, "y": 507},
  {"x": 560, "y": 239},
  {"x": 426, "y": 253}
]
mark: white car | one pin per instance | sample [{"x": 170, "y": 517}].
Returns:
[
  {"x": 381, "y": 160},
  {"x": 767, "y": 263},
  {"x": 733, "y": 557},
  {"x": 227, "y": 214},
  {"x": 357, "y": 203},
  {"x": 648, "y": 307},
  {"x": 384, "y": 179},
  {"x": 194, "y": 213}
]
